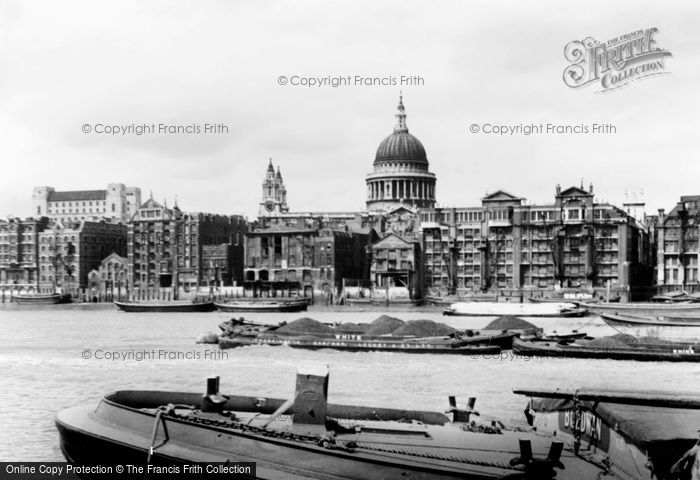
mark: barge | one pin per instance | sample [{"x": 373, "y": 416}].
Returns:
[
  {"x": 263, "y": 305},
  {"x": 657, "y": 352},
  {"x": 309, "y": 334},
  {"x": 306, "y": 437},
  {"x": 166, "y": 306},
  {"x": 491, "y": 309},
  {"x": 673, "y": 329},
  {"x": 42, "y": 299}
]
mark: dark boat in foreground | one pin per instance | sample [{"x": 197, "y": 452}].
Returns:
[
  {"x": 166, "y": 307},
  {"x": 657, "y": 352},
  {"x": 42, "y": 299},
  {"x": 264, "y": 305},
  {"x": 307, "y": 438},
  {"x": 673, "y": 329},
  {"x": 309, "y": 334},
  {"x": 636, "y": 435}
]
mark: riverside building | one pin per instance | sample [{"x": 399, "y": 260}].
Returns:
[{"x": 574, "y": 245}]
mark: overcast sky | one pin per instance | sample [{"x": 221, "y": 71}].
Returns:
[{"x": 69, "y": 63}]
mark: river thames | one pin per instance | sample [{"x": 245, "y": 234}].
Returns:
[{"x": 60, "y": 356}]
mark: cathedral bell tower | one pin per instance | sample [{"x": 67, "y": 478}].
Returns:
[{"x": 274, "y": 197}]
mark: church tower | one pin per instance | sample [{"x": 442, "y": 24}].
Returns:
[{"x": 274, "y": 197}]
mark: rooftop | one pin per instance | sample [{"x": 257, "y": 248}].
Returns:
[{"x": 77, "y": 195}]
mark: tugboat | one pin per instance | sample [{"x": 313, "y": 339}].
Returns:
[{"x": 305, "y": 437}]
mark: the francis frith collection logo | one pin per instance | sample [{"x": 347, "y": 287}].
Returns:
[{"x": 615, "y": 63}]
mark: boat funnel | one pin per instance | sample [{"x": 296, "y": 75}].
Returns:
[
  {"x": 311, "y": 396},
  {"x": 213, "y": 401}
]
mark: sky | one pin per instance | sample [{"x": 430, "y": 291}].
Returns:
[{"x": 70, "y": 64}]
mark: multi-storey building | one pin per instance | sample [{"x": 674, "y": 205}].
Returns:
[
  {"x": 39, "y": 255},
  {"x": 116, "y": 204},
  {"x": 304, "y": 258},
  {"x": 110, "y": 278},
  {"x": 396, "y": 262},
  {"x": 69, "y": 251},
  {"x": 677, "y": 246},
  {"x": 167, "y": 247},
  {"x": 19, "y": 253},
  {"x": 505, "y": 244}
]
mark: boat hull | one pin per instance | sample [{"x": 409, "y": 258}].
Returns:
[
  {"x": 362, "y": 346},
  {"x": 674, "y": 353},
  {"x": 263, "y": 306},
  {"x": 385, "y": 449},
  {"x": 645, "y": 309},
  {"x": 380, "y": 302},
  {"x": 165, "y": 307},
  {"x": 672, "y": 329},
  {"x": 485, "y": 309},
  {"x": 52, "y": 299}
]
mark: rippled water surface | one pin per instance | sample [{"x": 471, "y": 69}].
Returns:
[{"x": 43, "y": 370}]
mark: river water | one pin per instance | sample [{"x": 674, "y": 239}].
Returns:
[{"x": 43, "y": 369}]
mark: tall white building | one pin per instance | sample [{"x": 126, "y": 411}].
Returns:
[{"x": 116, "y": 204}]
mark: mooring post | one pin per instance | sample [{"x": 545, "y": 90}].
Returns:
[{"x": 311, "y": 396}]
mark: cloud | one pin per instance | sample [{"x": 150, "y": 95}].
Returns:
[{"x": 180, "y": 63}]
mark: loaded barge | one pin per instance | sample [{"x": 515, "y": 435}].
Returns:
[
  {"x": 386, "y": 334},
  {"x": 653, "y": 352},
  {"x": 305, "y": 437}
]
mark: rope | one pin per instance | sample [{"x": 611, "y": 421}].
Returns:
[{"x": 436, "y": 456}]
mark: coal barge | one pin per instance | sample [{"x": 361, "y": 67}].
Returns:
[{"x": 386, "y": 334}]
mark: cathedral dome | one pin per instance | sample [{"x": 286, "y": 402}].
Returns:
[
  {"x": 400, "y": 176},
  {"x": 401, "y": 146}
]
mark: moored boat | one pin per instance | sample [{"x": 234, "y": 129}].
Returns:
[
  {"x": 668, "y": 328},
  {"x": 641, "y": 309},
  {"x": 396, "y": 302},
  {"x": 420, "y": 336},
  {"x": 635, "y": 434},
  {"x": 263, "y": 305},
  {"x": 306, "y": 437},
  {"x": 669, "y": 352},
  {"x": 42, "y": 299},
  {"x": 481, "y": 309},
  {"x": 166, "y": 307}
]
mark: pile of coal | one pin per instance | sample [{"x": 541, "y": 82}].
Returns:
[
  {"x": 306, "y": 325},
  {"x": 423, "y": 328}
]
